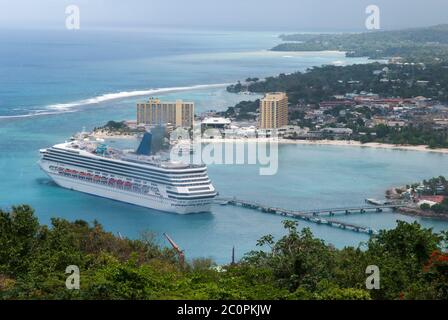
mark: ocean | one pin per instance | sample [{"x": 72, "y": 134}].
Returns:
[{"x": 54, "y": 83}]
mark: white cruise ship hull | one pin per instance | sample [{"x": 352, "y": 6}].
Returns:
[
  {"x": 156, "y": 195},
  {"x": 146, "y": 201}
]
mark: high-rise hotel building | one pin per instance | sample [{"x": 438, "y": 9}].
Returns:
[
  {"x": 156, "y": 112},
  {"x": 274, "y": 110}
]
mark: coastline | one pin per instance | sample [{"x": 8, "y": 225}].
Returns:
[
  {"x": 107, "y": 135},
  {"x": 344, "y": 143},
  {"x": 422, "y": 214},
  {"x": 341, "y": 143}
]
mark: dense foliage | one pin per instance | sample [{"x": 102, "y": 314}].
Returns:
[
  {"x": 243, "y": 110},
  {"x": 116, "y": 126},
  {"x": 419, "y": 44},
  {"x": 322, "y": 83},
  {"x": 412, "y": 262},
  {"x": 435, "y": 185},
  {"x": 410, "y": 135}
]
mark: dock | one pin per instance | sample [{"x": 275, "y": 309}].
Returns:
[
  {"x": 386, "y": 202},
  {"x": 314, "y": 215},
  {"x": 376, "y": 202}
]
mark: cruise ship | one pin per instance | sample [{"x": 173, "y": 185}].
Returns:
[{"x": 137, "y": 177}]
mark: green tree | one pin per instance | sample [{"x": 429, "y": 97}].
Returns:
[
  {"x": 400, "y": 255},
  {"x": 18, "y": 232}
]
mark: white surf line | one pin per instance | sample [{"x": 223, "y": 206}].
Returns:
[{"x": 65, "y": 107}]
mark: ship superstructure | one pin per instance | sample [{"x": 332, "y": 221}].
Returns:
[{"x": 140, "y": 179}]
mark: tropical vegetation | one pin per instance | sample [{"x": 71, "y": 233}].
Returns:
[
  {"x": 412, "y": 261},
  {"x": 429, "y": 44},
  {"x": 323, "y": 83},
  {"x": 409, "y": 135}
]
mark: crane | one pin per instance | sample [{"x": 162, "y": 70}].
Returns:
[{"x": 180, "y": 252}]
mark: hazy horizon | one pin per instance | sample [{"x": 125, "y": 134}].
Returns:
[{"x": 291, "y": 15}]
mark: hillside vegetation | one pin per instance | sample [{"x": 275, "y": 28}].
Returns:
[
  {"x": 322, "y": 83},
  {"x": 33, "y": 259},
  {"x": 428, "y": 44}
]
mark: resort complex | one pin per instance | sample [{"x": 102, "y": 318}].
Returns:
[
  {"x": 274, "y": 110},
  {"x": 155, "y": 112}
]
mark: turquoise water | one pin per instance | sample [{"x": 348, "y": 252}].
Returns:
[
  {"x": 42, "y": 70},
  {"x": 39, "y": 71}
]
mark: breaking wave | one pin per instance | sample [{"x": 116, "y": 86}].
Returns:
[{"x": 71, "y": 106}]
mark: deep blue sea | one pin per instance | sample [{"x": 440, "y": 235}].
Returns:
[{"x": 54, "y": 83}]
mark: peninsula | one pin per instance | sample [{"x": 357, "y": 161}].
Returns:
[
  {"x": 428, "y": 198},
  {"x": 429, "y": 44}
]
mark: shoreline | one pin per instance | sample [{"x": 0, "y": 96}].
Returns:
[
  {"x": 422, "y": 214},
  {"x": 343, "y": 143},
  {"x": 105, "y": 135}
]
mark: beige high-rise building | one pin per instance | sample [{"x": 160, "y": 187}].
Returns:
[
  {"x": 274, "y": 110},
  {"x": 156, "y": 112}
]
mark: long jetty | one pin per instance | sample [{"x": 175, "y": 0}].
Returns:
[{"x": 314, "y": 215}]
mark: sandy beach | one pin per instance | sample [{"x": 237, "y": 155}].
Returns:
[{"x": 345, "y": 143}]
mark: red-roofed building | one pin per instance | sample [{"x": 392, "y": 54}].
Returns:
[{"x": 437, "y": 199}]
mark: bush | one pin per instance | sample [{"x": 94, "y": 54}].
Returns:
[{"x": 33, "y": 259}]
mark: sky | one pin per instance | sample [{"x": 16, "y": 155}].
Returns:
[{"x": 300, "y": 15}]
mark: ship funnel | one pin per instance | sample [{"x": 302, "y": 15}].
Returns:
[{"x": 145, "y": 145}]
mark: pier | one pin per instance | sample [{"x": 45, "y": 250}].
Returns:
[{"x": 314, "y": 215}]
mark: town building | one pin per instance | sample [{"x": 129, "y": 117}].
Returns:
[
  {"x": 155, "y": 112},
  {"x": 218, "y": 123},
  {"x": 274, "y": 110},
  {"x": 336, "y": 133},
  {"x": 215, "y": 126},
  {"x": 429, "y": 200}
]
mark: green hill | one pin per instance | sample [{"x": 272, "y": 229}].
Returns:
[
  {"x": 34, "y": 258},
  {"x": 429, "y": 44}
]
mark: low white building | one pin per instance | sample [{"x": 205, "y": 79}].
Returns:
[
  {"x": 341, "y": 131},
  {"x": 219, "y": 123},
  {"x": 428, "y": 202}
]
